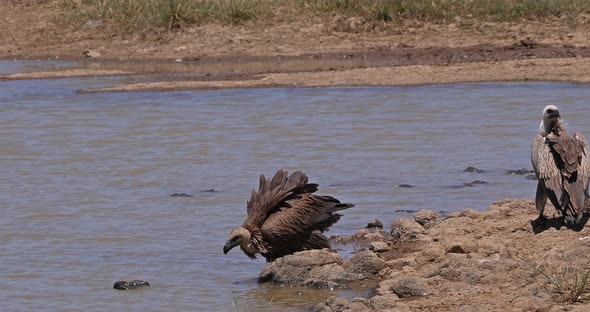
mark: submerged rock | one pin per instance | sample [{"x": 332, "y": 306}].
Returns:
[
  {"x": 180, "y": 195},
  {"x": 129, "y": 285},
  {"x": 209, "y": 191},
  {"x": 473, "y": 169},
  {"x": 406, "y": 211},
  {"x": 403, "y": 185},
  {"x": 522, "y": 171},
  {"x": 473, "y": 183}
]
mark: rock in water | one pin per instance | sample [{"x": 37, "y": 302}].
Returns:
[
  {"x": 128, "y": 285},
  {"x": 374, "y": 224},
  {"x": 522, "y": 171},
  {"x": 180, "y": 195},
  {"x": 473, "y": 169}
]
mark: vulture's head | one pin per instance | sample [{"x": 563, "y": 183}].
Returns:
[
  {"x": 238, "y": 237},
  {"x": 551, "y": 118}
]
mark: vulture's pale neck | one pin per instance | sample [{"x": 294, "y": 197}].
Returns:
[{"x": 247, "y": 247}]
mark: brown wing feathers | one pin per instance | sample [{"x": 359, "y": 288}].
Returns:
[
  {"x": 285, "y": 216},
  {"x": 569, "y": 155},
  {"x": 272, "y": 193}
]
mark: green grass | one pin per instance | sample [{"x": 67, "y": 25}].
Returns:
[{"x": 173, "y": 14}]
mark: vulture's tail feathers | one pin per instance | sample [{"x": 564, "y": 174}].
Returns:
[
  {"x": 332, "y": 204},
  {"x": 573, "y": 201},
  {"x": 328, "y": 216}
]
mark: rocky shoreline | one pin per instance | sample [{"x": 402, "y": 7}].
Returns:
[{"x": 469, "y": 261}]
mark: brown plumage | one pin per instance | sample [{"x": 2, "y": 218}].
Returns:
[
  {"x": 561, "y": 164},
  {"x": 284, "y": 217}
]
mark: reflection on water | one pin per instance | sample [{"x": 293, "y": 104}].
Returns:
[{"x": 86, "y": 178}]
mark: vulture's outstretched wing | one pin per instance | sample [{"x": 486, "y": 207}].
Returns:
[
  {"x": 272, "y": 194},
  {"x": 547, "y": 172},
  {"x": 298, "y": 225}
]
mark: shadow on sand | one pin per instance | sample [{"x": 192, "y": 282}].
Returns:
[{"x": 541, "y": 224}]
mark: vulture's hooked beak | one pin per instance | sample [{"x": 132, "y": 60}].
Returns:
[{"x": 229, "y": 245}]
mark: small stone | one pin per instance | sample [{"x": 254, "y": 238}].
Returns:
[
  {"x": 434, "y": 253},
  {"x": 129, "y": 285},
  {"x": 470, "y": 213},
  {"x": 461, "y": 245},
  {"x": 407, "y": 230},
  {"x": 527, "y": 43},
  {"x": 410, "y": 287},
  {"x": 427, "y": 218},
  {"x": 400, "y": 263},
  {"x": 91, "y": 53},
  {"x": 366, "y": 263},
  {"x": 374, "y": 224},
  {"x": 89, "y": 24},
  {"x": 379, "y": 246}
]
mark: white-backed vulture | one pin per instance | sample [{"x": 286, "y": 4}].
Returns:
[
  {"x": 562, "y": 167},
  {"x": 284, "y": 217}
]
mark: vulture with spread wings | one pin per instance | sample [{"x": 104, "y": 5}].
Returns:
[
  {"x": 561, "y": 164},
  {"x": 284, "y": 217}
]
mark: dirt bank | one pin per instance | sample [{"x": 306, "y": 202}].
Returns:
[
  {"x": 299, "y": 51},
  {"x": 470, "y": 261}
]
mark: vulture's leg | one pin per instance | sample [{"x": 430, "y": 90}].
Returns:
[{"x": 540, "y": 202}]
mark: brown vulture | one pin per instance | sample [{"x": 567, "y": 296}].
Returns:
[
  {"x": 284, "y": 217},
  {"x": 562, "y": 167}
]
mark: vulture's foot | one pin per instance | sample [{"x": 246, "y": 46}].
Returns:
[
  {"x": 577, "y": 223},
  {"x": 540, "y": 224}
]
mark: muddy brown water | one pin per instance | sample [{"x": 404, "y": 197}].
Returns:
[{"x": 86, "y": 178}]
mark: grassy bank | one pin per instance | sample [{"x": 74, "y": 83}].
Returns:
[{"x": 172, "y": 14}]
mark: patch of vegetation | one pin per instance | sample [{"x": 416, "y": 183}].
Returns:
[
  {"x": 172, "y": 14},
  {"x": 443, "y": 10},
  {"x": 569, "y": 283}
]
